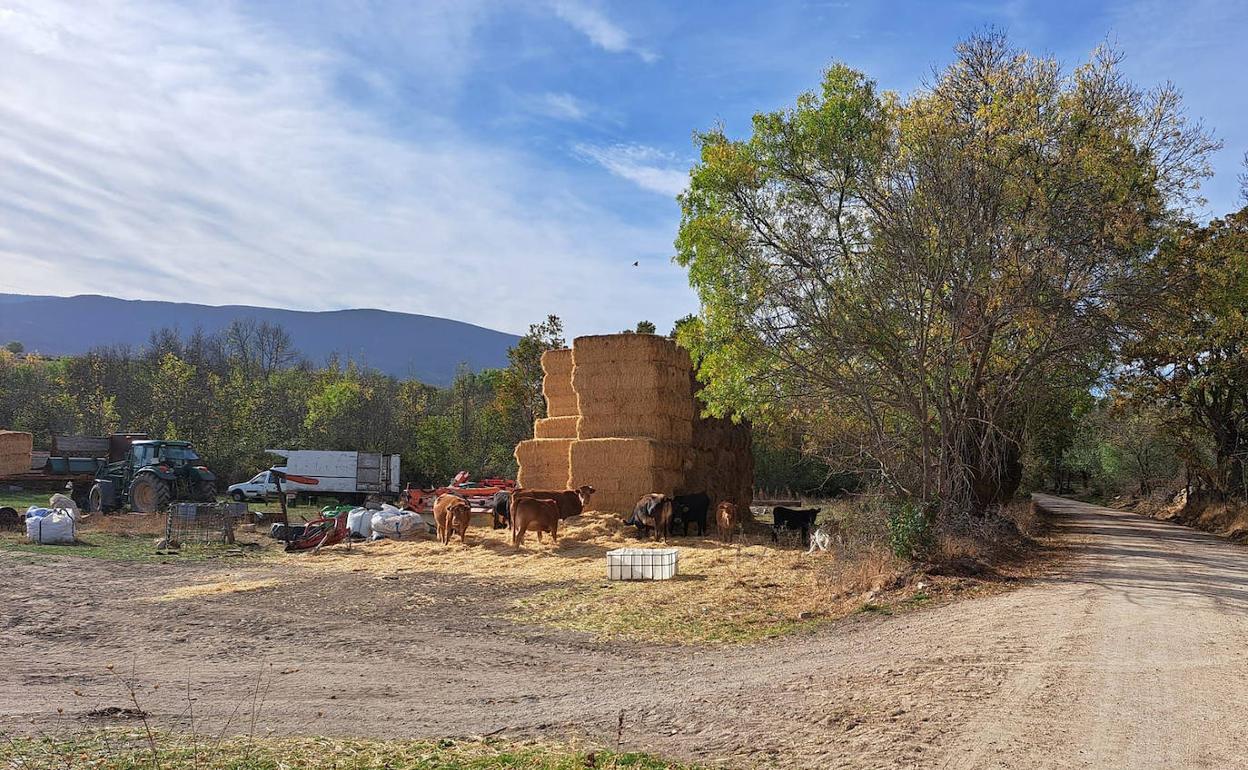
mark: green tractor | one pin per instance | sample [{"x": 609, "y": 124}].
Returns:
[{"x": 152, "y": 475}]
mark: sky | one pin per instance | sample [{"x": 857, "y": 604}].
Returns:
[{"x": 491, "y": 162}]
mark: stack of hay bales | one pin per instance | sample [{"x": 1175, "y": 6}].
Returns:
[
  {"x": 544, "y": 459},
  {"x": 15, "y": 449},
  {"x": 636, "y": 417},
  {"x": 632, "y": 426}
]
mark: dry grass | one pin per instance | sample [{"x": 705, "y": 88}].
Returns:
[
  {"x": 216, "y": 588},
  {"x": 725, "y": 593},
  {"x": 131, "y": 750}
]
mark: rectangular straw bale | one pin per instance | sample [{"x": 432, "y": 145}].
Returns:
[
  {"x": 624, "y": 347},
  {"x": 555, "y": 427},
  {"x": 16, "y": 442},
  {"x": 656, "y": 427},
  {"x": 543, "y": 463},
  {"x": 13, "y": 463},
  {"x": 15, "y": 449},
  {"x": 627, "y": 453},
  {"x": 625, "y": 469},
  {"x": 557, "y": 383},
  {"x": 632, "y": 376},
  {"x": 636, "y": 401}
]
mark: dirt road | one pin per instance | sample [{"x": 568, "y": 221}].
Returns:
[{"x": 1130, "y": 654}]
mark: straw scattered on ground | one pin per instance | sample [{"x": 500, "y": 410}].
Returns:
[
  {"x": 216, "y": 588},
  {"x": 724, "y": 593}
]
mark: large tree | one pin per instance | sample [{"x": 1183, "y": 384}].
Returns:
[
  {"x": 1189, "y": 354},
  {"x": 905, "y": 276}
]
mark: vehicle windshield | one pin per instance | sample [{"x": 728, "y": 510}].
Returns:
[
  {"x": 178, "y": 454},
  {"x": 260, "y": 478}
]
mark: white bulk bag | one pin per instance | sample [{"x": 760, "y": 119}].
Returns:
[
  {"x": 360, "y": 522},
  {"x": 397, "y": 525},
  {"x": 52, "y": 527}
]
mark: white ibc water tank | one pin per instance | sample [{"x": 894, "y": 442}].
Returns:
[{"x": 642, "y": 563}]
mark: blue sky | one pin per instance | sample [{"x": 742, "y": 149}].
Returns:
[{"x": 485, "y": 161}]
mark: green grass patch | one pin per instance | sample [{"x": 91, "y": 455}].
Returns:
[
  {"x": 131, "y": 750},
  {"x": 126, "y": 547},
  {"x": 660, "y": 611},
  {"x": 23, "y": 500}
]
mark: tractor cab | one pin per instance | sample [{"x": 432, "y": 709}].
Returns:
[{"x": 151, "y": 475}]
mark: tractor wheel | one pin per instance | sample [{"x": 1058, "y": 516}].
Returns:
[
  {"x": 95, "y": 499},
  {"x": 148, "y": 493},
  {"x": 203, "y": 492},
  {"x": 237, "y": 495}
]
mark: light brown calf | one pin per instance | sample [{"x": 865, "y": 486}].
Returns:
[
  {"x": 726, "y": 521},
  {"x": 535, "y": 514},
  {"x": 451, "y": 513}
]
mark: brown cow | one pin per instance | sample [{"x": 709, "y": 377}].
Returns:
[
  {"x": 536, "y": 514},
  {"x": 655, "y": 511},
  {"x": 726, "y": 521},
  {"x": 570, "y": 501},
  {"x": 451, "y": 514}
]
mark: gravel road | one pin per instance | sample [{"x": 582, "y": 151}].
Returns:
[{"x": 1129, "y": 653}]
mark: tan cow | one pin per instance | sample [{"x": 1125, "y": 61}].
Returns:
[
  {"x": 726, "y": 521},
  {"x": 571, "y": 502},
  {"x": 451, "y": 514},
  {"x": 532, "y": 513}
]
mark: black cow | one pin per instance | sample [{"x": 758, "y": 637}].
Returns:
[
  {"x": 691, "y": 509},
  {"x": 500, "y": 508},
  {"x": 793, "y": 518}
]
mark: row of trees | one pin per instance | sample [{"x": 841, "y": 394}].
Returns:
[
  {"x": 928, "y": 288},
  {"x": 247, "y": 389}
]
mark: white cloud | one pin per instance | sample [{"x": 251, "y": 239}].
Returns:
[
  {"x": 560, "y": 105},
  {"x": 646, "y": 167},
  {"x": 162, "y": 152},
  {"x": 590, "y": 21}
]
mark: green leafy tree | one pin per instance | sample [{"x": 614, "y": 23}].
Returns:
[
  {"x": 646, "y": 327},
  {"x": 903, "y": 276},
  {"x": 1188, "y": 357}
]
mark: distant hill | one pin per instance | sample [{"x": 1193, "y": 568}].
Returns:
[{"x": 402, "y": 344}]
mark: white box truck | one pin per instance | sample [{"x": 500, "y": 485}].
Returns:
[{"x": 347, "y": 476}]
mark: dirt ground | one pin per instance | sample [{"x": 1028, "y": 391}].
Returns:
[{"x": 1127, "y": 654}]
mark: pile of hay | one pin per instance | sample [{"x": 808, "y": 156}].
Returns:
[
  {"x": 623, "y": 418},
  {"x": 15, "y": 449}
]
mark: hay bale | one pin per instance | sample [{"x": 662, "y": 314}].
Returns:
[
  {"x": 612, "y": 348},
  {"x": 632, "y": 386},
  {"x": 624, "y": 469},
  {"x": 657, "y": 427},
  {"x": 555, "y": 427},
  {"x": 543, "y": 463},
  {"x": 557, "y": 383},
  {"x": 15, "y": 449}
]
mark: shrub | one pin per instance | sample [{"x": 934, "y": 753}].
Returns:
[{"x": 909, "y": 528}]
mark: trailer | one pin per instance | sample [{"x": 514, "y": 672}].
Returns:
[
  {"x": 347, "y": 476},
  {"x": 72, "y": 465}
]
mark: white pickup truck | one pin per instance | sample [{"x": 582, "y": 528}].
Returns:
[{"x": 346, "y": 476}]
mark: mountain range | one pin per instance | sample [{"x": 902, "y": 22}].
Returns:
[{"x": 405, "y": 345}]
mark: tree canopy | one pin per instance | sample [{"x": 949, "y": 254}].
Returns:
[{"x": 907, "y": 277}]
